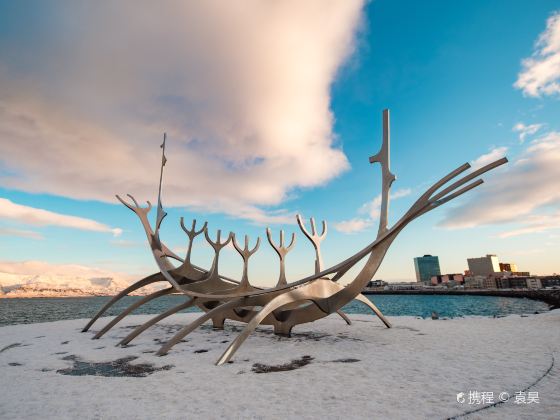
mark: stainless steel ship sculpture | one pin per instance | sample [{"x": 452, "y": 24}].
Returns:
[{"x": 286, "y": 304}]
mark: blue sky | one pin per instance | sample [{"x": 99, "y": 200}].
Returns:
[{"x": 285, "y": 126}]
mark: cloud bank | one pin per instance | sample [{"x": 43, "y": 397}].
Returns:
[
  {"x": 35, "y": 268},
  {"x": 535, "y": 223},
  {"x": 241, "y": 87},
  {"x": 39, "y": 217},
  {"x": 523, "y": 192},
  {"x": 541, "y": 72},
  {"x": 21, "y": 233}
]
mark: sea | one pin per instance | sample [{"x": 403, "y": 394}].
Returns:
[{"x": 33, "y": 310}]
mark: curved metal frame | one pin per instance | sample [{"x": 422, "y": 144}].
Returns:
[{"x": 286, "y": 304}]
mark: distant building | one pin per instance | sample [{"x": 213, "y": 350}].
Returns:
[
  {"x": 475, "y": 282},
  {"x": 516, "y": 283},
  {"x": 511, "y": 267},
  {"x": 502, "y": 282},
  {"x": 512, "y": 274},
  {"x": 457, "y": 278},
  {"x": 449, "y": 279},
  {"x": 550, "y": 281},
  {"x": 403, "y": 286},
  {"x": 484, "y": 266},
  {"x": 521, "y": 273},
  {"x": 426, "y": 267},
  {"x": 534, "y": 283},
  {"x": 376, "y": 283},
  {"x": 490, "y": 282}
]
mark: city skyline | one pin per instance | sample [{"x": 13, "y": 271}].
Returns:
[
  {"x": 483, "y": 265},
  {"x": 286, "y": 128}
]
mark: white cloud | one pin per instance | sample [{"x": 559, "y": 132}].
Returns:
[
  {"x": 541, "y": 72},
  {"x": 516, "y": 192},
  {"x": 29, "y": 234},
  {"x": 493, "y": 155},
  {"x": 403, "y": 192},
  {"x": 371, "y": 210},
  {"x": 535, "y": 223},
  {"x": 353, "y": 225},
  {"x": 34, "y": 268},
  {"x": 39, "y": 217},
  {"x": 241, "y": 87},
  {"x": 526, "y": 130}
]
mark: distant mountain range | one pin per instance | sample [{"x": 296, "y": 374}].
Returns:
[{"x": 48, "y": 285}]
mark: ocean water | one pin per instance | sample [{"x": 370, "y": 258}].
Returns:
[{"x": 26, "y": 311}]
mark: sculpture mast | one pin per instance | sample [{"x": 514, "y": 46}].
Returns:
[
  {"x": 160, "y": 212},
  {"x": 383, "y": 157}
]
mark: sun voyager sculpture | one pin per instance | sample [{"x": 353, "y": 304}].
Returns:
[{"x": 286, "y": 304}]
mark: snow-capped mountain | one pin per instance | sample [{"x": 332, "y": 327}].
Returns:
[{"x": 48, "y": 285}]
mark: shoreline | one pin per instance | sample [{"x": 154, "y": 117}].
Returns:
[{"x": 551, "y": 297}]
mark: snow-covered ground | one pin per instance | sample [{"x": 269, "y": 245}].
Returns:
[{"x": 414, "y": 370}]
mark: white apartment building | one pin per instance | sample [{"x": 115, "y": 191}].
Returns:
[
  {"x": 533, "y": 283},
  {"x": 484, "y": 266}
]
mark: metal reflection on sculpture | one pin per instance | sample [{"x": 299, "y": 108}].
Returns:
[{"x": 286, "y": 304}]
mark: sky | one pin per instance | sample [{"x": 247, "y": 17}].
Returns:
[{"x": 273, "y": 109}]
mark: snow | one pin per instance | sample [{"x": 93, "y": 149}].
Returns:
[
  {"x": 414, "y": 370},
  {"x": 34, "y": 278},
  {"x": 57, "y": 285}
]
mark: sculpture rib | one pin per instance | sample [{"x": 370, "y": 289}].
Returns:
[
  {"x": 194, "y": 325},
  {"x": 274, "y": 304},
  {"x": 132, "y": 307},
  {"x": 344, "y": 317},
  {"x": 154, "y": 278},
  {"x": 361, "y": 298},
  {"x": 141, "y": 328}
]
